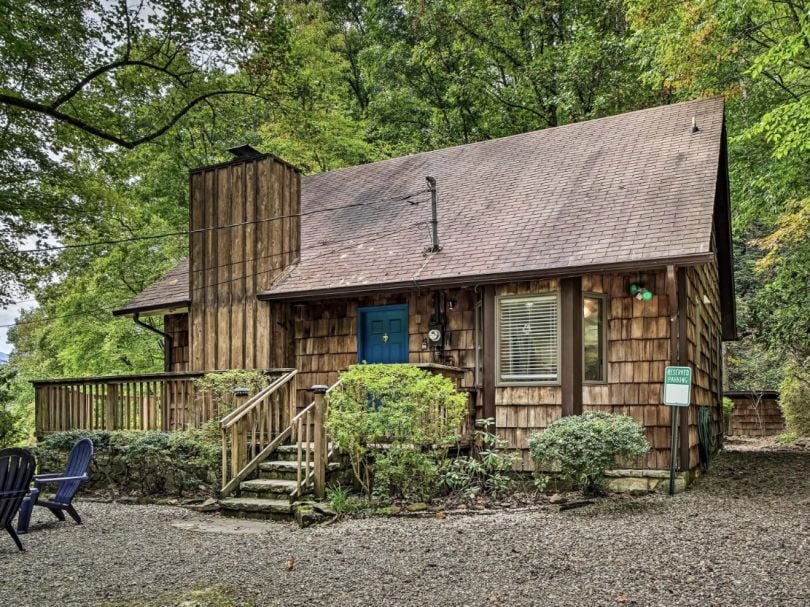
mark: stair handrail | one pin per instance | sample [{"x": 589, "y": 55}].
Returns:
[
  {"x": 243, "y": 409},
  {"x": 305, "y": 477},
  {"x": 228, "y": 422}
]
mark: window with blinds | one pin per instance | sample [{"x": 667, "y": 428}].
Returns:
[{"x": 528, "y": 339}]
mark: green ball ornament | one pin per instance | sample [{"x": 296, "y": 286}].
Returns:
[
  {"x": 633, "y": 289},
  {"x": 646, "y": 296}
]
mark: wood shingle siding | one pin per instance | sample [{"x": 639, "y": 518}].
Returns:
[{"x": 325, "y": 335}]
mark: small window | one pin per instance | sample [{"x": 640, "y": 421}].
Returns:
[
  {"x": 594, "y": 359},
  {"x": 528, "y": 339}
]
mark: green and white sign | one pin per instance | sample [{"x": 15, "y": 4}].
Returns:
[{"x": 677, "y": 386}]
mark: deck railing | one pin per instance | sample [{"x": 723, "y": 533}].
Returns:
[{"x": 153, "y": 401}]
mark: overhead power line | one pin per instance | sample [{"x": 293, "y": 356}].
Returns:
[
  {"x": 373, "y": 238},
  {"x": 97, "y": 243}
]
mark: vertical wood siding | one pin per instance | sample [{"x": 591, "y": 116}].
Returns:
[
  {"x": 230, "y": 328},
  {"x": 176, "y": 325}
]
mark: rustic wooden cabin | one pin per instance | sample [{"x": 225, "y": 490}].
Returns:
[{"x": 551, "y": 272}]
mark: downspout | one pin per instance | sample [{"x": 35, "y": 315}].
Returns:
[{"x": 167, "y": 341}]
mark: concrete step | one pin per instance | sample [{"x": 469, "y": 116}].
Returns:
[{"x": 256, "y": 508}]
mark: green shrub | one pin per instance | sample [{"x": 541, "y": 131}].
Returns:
[
  {"x": 794, "y": 401},
  {"x": 486, "y": 474},
  {"x": 787, "y": 438},
  {"x": 416, "y": 414},
  {"x": 219, "y": 386},
  {"x": 583, "y": 447},
  {"x": 406, "y": 473},
  {"x": 728, "y": 406},
  {"x": 149, "y": 463}
]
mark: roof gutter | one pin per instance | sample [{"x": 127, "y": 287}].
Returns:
[
  {"x": 483, "y": 279},
  {"x": 167, "y": 347}
]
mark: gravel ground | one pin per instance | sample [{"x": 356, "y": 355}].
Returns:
[{"x": 738, "y": 537}]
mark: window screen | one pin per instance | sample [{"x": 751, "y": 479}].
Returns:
[{"x": 528, "y": 339}]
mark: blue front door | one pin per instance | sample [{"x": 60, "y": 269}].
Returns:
[{"x": 382, "y": 334}]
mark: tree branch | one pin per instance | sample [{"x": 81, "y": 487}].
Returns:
[{"x": 34, "y": 106}]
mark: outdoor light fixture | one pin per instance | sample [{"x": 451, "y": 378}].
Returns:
[
  {"x": 241, "y": 391},
  {"x": 425, "y": 344},
  {"x": 451, "y": 304},
  {"x": 638, "y": 291}
]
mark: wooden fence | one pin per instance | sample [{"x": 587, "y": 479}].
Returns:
[{"x": 155, "y": 401}]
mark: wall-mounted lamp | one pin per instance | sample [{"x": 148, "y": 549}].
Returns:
[
  {"x": 638, "y": 291},
  {"x": 241, "y": 392},
  {"x": 425, "y": 344},
  {"x": 451, "y": 304}
]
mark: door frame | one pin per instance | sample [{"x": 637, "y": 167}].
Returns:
[{"x": 362, "y": 311}]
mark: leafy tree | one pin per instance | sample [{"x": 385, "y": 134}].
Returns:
[{"x": 80, "y": 76}]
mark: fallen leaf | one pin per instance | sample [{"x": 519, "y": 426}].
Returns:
[
  {"x": 441, "y": 516},
  {"x": 290, "y": 563}
]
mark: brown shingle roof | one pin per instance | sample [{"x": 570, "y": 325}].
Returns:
[
  {"x": 634, "y": 187},
  {"x": 167, "y": 292}
]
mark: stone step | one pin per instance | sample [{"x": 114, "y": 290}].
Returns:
[
  {"x": 288, "y": 469},
  {"x": 272, "y": 488},
  {"x": 256, "y": 508},
  {"x": 290, "y": 452}
]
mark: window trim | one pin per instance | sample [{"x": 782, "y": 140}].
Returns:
[
  {"x": 526, "y": 297},
  {"x": 478, "y": 342},
  {"x": 604, "y": 318}
]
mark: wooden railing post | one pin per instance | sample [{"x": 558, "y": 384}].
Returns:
[
  {"x": 319, "y": 447},
  {"x": 109, "y": 409}
]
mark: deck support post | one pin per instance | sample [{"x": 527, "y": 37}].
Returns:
[{"x": 319, "y": 447}]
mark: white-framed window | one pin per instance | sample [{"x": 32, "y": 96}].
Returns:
[
  {"x": 528, "y": 339},
  {"x": 594, "y": 338}
]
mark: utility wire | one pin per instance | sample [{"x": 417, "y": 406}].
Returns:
[
  {"x": 152, "y": 279},
  {"x": 376, "y": 237},
  {"x": 81, "y": 245}
]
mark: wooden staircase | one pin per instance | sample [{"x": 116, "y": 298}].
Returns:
[
  {"x": 271, "y": 495},
  {"x": 272, "y": 456}
]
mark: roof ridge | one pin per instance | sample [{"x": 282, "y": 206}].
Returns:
[{"x": 515, "y": 135}]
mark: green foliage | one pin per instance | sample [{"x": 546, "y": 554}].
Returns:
[
  {"x": 787, "y": 438},
  {"x": 14, "y": 426},
  {"x": 794, "y": 401},
  {"x": 219, "y": 387},
  {"x": 728, "y": 405},
  {"x": 416, "y": 414},
  {"x": 145, "y": 462},
  {"x": 338, "y": 497},
  {"x": 488, "y": 473},
  {"x": 403, "y": 472},
  {"x": 583, "y": 447}
]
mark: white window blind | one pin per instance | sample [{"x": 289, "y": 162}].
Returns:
[{"x": 528, "y": 339}]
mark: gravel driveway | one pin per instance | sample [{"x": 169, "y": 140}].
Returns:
[{"x": 738, "y": 537}]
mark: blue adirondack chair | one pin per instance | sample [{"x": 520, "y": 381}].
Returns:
[
  {"x": 68, "y": 483},
  {"x": 16, "y": 469}
]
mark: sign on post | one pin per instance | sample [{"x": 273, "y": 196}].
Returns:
[{"x": 677, "y": 386}]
